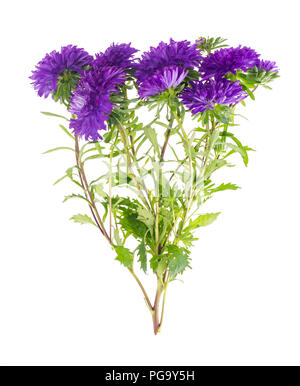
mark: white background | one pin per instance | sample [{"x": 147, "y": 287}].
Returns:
[{"x": 63, "y": 299}]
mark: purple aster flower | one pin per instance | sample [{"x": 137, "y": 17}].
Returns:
[
  {"x": 119, "y": 55},
  {"x": 90, "y": 102},
  {"x": 167, "y": 54},
  {"x": 162, "y": 80},
  {"x": 55, "y": 64},
  {"x": 203, "y": 95},
  {"x": 267, "y": 65},
  {"x": 227, "y": 60}
]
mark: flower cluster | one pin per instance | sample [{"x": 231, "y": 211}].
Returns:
[
  {"x": 91, "y": 100},
  {"x": 86, "y": 84}
]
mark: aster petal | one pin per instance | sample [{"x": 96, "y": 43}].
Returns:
[
  {"x": 162, "y": 80},
  {"x": 54, "y": 64},
  {"x": 203, "y": 95},
  {"x": 267, "y": 66},
  {"x": 180, "y": 53},
  {"x": 227, "y": 60},
  {"x": 90, "y": 101},
  {"x": 118, "y": 55}
]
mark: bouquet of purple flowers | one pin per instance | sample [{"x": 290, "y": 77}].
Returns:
[{"x": 156, "y": 175}]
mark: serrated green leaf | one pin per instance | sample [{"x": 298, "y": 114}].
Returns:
[
  {"x": 82, "y": 219},
  {"x": 70, "y": 196},
  {"x": 213, "y": 166},
  {"x": 146, "y": 217},
  {"x": 158, "y": 264},
  {"x": 124, "y": 256},
  {"x": 131, "y": 224},
  {"x": 178, "y": 259},
  {"x": 222, "y": 187}
]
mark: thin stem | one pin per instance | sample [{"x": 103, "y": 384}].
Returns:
[
  {"x": 203, "y": 167},
  {"x": 110, "y": 187},
  {"x": 186, "y": 138},
  {"x": 190, "y": 171},
  {"x": 196, "y": 148},
  {"x": 155, "y": 315},
  {"x": 132, "y": 145},
  {"x": 125, "y": 143},
  {"x": 167, "y": 136},
  {"x": 164, "y": 301},
  {"x": 142, "y": 288},
  {"x": 88, "y": 193},
  {"x": 157, "y": 227}
]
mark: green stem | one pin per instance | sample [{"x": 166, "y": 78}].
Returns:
[
  {"x": 164, "y": 301},
  {"x": 132, "y": 175},
  {"x": 142, "y": 288},
  {"x": 88, "y": 193},
  {"x": 155, "y": 314},
  {"x": 110, "y": 187}
]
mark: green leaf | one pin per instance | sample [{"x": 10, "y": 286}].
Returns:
[
  {"x": 249, "y": 92},
  {"x": 76, "y": 196},
  {"x": 202, "y": 221},
  {"x": 125, "y": 257},
  {"x": 209, "y": 44},
  {"x": 159, "y": 264},
  {"x": 222, "y": 187},
  {"x": 117, "y": 237},
  {"x": 131, "y": 224},
  {"x": 94, "y": 156},
  {"x": 151, "y": 135},
  {"x": 179, "y": 259},
  {"x": 82, "y": 219},
  {"x": 64, "y": 129},
  {"x": 239, "y": 148},
  {"x": 69, "y": 173},
  {"x": 187, "y": 239},
  {"x": 142, "y": 253},
  {"x": 99, "y": 189},
  {"x": 213, "y": 166},
  {"x": 54, "y": 115},
  {"x": 58, "y": 148},
  {"x": 108, "y": 136},
  {"x": 146, "y": 217},
  {"x": 223, "y": 114},
  {"x": 60, "y": 179}
]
